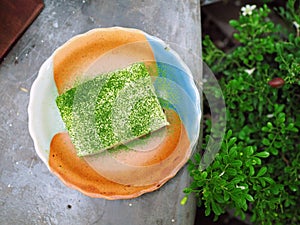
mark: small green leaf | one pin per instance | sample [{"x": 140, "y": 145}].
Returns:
[
  {"x": 271, "y": 136},
  {"x": 281, "y": 120},
  {"x": 275, "y": 189},
  {"x": 262, "y": 154},
  {"x": 200, "y": 183},
  {"x": 287, "y": 203},
  {"x": 297, "y": 41},
  {"x": 273, "y": 150},
  {"x": 294, "y": 129},
  {"x": 245, "y": 60},
  {"x": 233, "y": 23},
  {"x": 219, "y": 198},
  {"x": 237, "y": 36},
  {"x": 252, "y": 171},
  {"x": 204, "y": 175},
  {"x": 232, "y": 141},
  {"x": 256, "y": 161},
  {"x": 269, "y": 180},
  {"x": 184, "y": 200},
  {"x": 206, "y": 193},
  {"x": 237, "y": 199},
  {"x": 277, "y": 144},
  {"x": 231, "y": 171},
  {"x": 236, "y": 163},
  {"x": 249, "y": 150},
  {"x": 259, "y": 57},
  {"x": 207, "y": 210},
  {"x": 262, "y": 181},
  {"x": 226, "y": 196},
  {"x": 266, "y": 141},
  {"x": 256, "y": 187},
  {"x": 270, "y": 125},
  {"x": 291, "y": 127},
  {"x": 236, "y": 180},
  {"x": 187, "y": 190},
  {"x": 242, "y": 135},
  {"x": 293, "y": 187},
  {"x": 216, "y": 208},
  {"x": 251, "y": 57},
  {"x": 197, "y": 158},
  {"x": 226, "y": 159},
  {"x": 249, "y": 197},
  {"x": 295, "y": 163},
  {"x": 244, "y": 204},
  {"x": 278, "y": 108},
  {"x": 229, "y": 134},
  {"x": 262, "y": 171},
  {"x": 233, "y": 152}
]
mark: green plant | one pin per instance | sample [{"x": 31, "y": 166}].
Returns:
[{"x": 257, "y": 168}]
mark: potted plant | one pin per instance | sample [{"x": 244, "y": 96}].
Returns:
[{"x": 257, "y": 170}]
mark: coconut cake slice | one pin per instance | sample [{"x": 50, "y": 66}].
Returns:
[{"x": 111, "y": 109}]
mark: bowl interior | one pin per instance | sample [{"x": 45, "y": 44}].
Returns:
[{"x": 176, "y": 91}]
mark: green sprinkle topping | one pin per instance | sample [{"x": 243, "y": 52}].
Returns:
[{"x": 111, "y": 109}]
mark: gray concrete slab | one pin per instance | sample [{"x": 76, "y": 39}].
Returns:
[{"x": 29, "y": 193}]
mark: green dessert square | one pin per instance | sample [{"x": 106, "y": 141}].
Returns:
[{"x": 111, "y": 109}]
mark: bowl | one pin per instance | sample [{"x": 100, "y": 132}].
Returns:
[{"x": 133, "y": 168}]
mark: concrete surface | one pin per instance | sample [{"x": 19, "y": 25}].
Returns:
[{"x": 29, "y": 193}]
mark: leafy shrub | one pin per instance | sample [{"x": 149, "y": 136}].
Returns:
[{"x": 257, "y": 170}]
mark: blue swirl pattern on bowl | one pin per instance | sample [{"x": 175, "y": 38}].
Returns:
[{"x": 175, "y": 84}]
